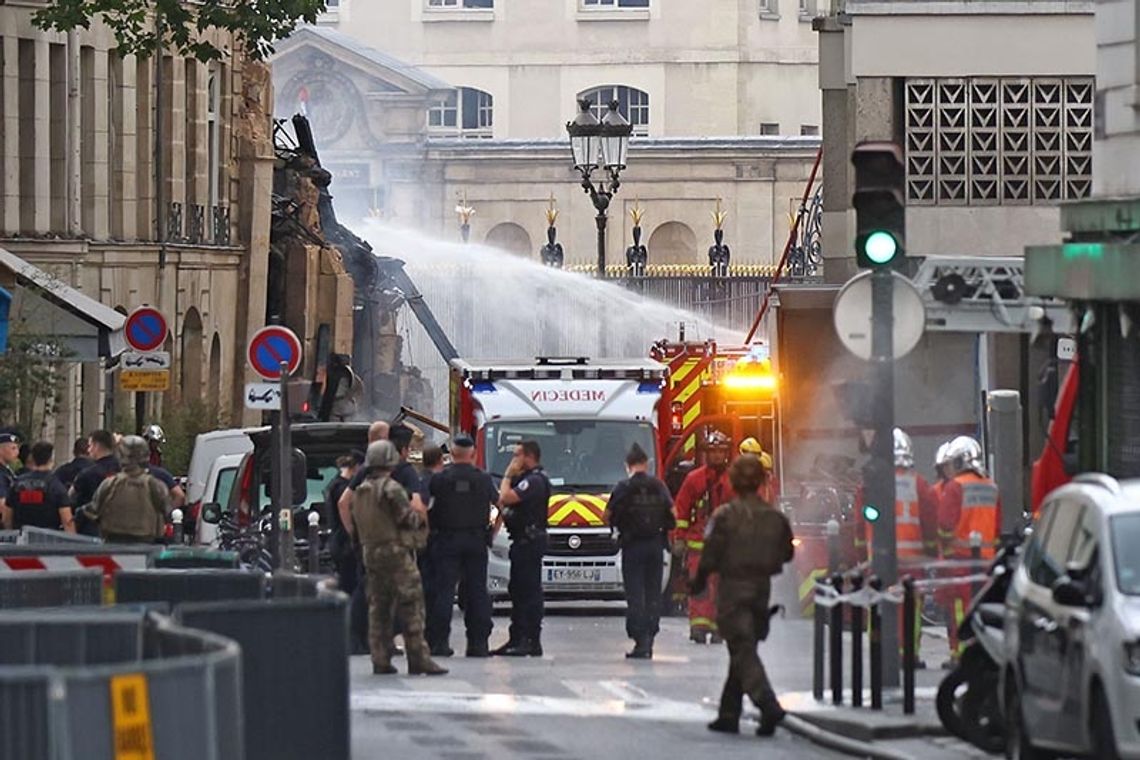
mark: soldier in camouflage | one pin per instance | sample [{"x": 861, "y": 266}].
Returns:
[
  {"x": 748, "y": 542},
  {"x": 388, "y": 528}
]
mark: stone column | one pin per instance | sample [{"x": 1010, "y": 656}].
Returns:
[
  {"x": 9, "y": 136},
  {"x": 146, "y": 215}
]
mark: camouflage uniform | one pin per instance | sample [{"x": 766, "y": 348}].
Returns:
[
  {"x": 131, "y": 506},
  {"x": 386, "y": 523},
  {"x": 748, "y": 542}
]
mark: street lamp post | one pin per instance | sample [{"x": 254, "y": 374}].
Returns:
[{"x": 600, "y": 145}]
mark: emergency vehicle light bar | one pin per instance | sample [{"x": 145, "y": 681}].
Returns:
[{"x": 567, "y": 373}]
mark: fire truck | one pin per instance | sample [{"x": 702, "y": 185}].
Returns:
[{"x": 584, "y": 415}]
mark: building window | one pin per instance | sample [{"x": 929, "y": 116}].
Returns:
[
  {"x": 332, "y": 5},
  {"x": 809, "y": 130},
  {"x": 986, "y": 141},
  {"x": 769, "y": 128},
  {"x": 610, "y": 4},
  {"x": 770, "y": 9},
  {"x": 213, "y": 132},
  {"x": 460, "y": 3},
  {"x": 632, "y": 103},
  {"x": 468, "y": 111},
  {"x": 807, "y": 9}
]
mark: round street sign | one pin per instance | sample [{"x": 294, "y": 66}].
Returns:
[
  {"x": 269, "y": 347},
  {"x": 852, "y": 315},
  {"x": 145, "y": 329}
]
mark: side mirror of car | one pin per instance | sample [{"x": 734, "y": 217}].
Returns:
[
  {"x": 1070, "y": 593},
  {"x": 212, "y": 513}
]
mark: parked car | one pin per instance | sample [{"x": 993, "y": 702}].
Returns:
[
  {"x": 1071, "y": 675},
  {"x": 219, "y": 484}
]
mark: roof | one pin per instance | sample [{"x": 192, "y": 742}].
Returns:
[
  {"x": 372, "y": 55},
  {"x": 105, "y": 321}
]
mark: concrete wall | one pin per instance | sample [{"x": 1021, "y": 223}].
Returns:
[{"x": 1116, "y": 171}]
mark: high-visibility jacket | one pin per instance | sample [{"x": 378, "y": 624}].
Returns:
[
  {"x": 916, "y": 517},
  {"x": 702, "y": 493},
  {"x": 971, "y": 504}
]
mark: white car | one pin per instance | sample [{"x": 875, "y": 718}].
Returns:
[
  {"x": 219, "y": 484},
  {"x": 1071, "y": 676}
]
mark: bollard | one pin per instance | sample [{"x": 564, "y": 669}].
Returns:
[
  {"x": 1004, "y": 423},
  {"x": 288, "y": 547},
  {"x": 176, "y": 521},
  {"x": 314, "y": 542},
  {"x": 876, "y": 648},
  {"x": 856, "y": 646},
  {"x": 975, "y": 554},
  {"x": 833, "y": 559},
  {"x": 836, "y": 647},
  {"x": 819, "y": 617},
  {"x": 908, "y": 644}
]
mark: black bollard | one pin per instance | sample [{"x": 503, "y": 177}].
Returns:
[
  {"x": 876, "y": 648},
  {"x": 836, "y": 648},
  {"x": 314, "y": 542},
  {"x": 178, "y": 536},
  {"x": 856, "y": 646},
  {"x": 819, "y": 620},
  {"x": 833, "y": 551},
  {"x": 908, "y": 644}
]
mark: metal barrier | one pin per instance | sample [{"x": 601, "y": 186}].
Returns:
[
  {"x": 108, "y": 684},
  {"x": 178, "y": 586},
  {"x": 9, "y": 536},
  {"x": 51, "y": 588},
  {"x": 33, "y": 536},
  {"x": 295, "y": 649},
  {"x": 191, "y": 557},
  {"x": 110, "y": 558}
]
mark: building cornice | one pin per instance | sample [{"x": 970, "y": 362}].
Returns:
[
  {"x": 454, "y": 149},
  {"x": 970, "y": 7}
]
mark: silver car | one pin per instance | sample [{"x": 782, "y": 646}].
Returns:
[{"x": 1071, "y": 678}]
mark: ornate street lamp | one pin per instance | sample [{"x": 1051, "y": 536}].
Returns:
[
  {"x": 551, "y": 253},
  {"x": 600, "y": 145},
  {"x": 464, "y": 212}
]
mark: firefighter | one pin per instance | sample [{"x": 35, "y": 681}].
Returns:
[
  {"x": 945, "y": 526},
  {"x": 155, "y": 436},
  {"x": 769, "y": 490},
  {"x": 970, "y": 505},
  {"x": 916, "y": 508},
  {"x": 705, "y": 490}
]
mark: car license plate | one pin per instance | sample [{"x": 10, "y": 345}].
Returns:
[{"x": 573, "y": 575}]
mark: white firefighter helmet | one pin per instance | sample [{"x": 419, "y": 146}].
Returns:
[
  {"x": 941, "y": 457},
  {"x": 965, "y": 453},
  {"x": 903, "y": 449}
]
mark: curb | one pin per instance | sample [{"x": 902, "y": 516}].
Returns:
[{"x": 839, "y": 743}]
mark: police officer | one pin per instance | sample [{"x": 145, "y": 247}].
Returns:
[
  {"x": 387, "y": 525},
  {"x": 748, "y": 542},
  {"x": 37, "y": 498},
  {"x": 101, "y": 446},
  {"x": 131, "y": 507},
  {"x": 9, "y": 456},
  {"x": 461, "y": 497},
  {"x": 524, "y": 495},
  {"x": 66, "y": 473},
  {"x": 641, "y": 510}
]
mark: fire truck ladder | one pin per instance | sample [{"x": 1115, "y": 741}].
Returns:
[
  {"x": 402, "y": 286},
  {"x": 984, "y": 294}
]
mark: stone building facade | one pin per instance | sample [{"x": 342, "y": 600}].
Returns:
[{"x": 140, "y": 182}]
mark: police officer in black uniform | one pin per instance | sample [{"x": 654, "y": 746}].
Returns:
[
  {"x": 461, "y": 497},
  {"x": 524, "y": 494},
  {"x": 9, "y": 457},
  {"x": 101, "y": 445},
  {"x": 641, "y": 510},
  {"x": 37, "y": 498}
]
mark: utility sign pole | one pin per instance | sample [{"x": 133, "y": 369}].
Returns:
[{"x": 880, "y": 212}]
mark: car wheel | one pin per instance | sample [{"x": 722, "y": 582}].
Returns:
[
  {"x": 1100, "y": 727},
  {"x": 1017, "y": 743}
]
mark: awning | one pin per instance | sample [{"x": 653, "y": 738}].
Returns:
[{"x": 82, "y": 328}]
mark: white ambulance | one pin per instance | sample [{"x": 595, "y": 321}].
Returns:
[{"x": 584, "y": 415}]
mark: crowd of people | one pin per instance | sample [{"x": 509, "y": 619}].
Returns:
[{"x": 114, "y": 486}]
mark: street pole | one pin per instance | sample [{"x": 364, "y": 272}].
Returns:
[
  {"x": 601, "y": 203},
  {"x": 880, "y": 480},
  {"x": 284, "y": 514},
  {"x": 1006, "y": 447}
]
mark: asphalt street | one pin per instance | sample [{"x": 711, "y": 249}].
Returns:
[{"x": 582, "y": 700}]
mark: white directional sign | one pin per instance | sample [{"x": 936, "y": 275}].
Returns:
[
  {"x": 145, "y": 360},
  {"x": 263, "y": 396}
]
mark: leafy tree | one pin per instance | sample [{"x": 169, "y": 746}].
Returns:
[
  {"x": 142, "y": 27},
  {"x": 32, "y": 376}
]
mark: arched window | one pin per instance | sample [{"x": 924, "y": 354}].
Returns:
[
  {"x": 466, "y": 111},
  {"x": 632, "y": 103}
]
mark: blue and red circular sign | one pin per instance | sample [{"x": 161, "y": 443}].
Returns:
[
  {"x": 272, "y": 345},
  {"x": 145, "y": 329}
]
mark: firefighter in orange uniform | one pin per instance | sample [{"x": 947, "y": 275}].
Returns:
[
  {"x": 970, "y": 504},
  {"x": 942, "y": 469},
  {"x": 705, "y": 489},
  {"x": 916, "y": 510}
]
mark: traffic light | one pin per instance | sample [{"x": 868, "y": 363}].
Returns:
[
  {"x": 871, "y": 513},
  {"x": 880, "y": 204}
]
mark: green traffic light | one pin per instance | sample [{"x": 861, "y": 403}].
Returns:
[
  {"x": 880, "y": 247},
  {"x": 870, "y": 513}
]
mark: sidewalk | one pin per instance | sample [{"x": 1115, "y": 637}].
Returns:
[{"x": 886, "y": 733}]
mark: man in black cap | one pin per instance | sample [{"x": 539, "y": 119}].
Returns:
[
  {"x": 9, "y": 456},
  {"x": 460, "y": 497}
]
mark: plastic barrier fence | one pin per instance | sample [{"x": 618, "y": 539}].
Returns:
[{"x": 51, "y": 588}]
